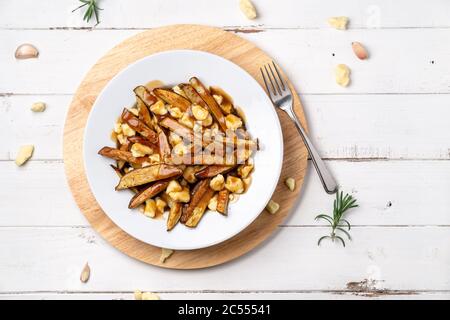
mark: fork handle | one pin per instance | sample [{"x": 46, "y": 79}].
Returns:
[{"x": 328, "y": 182}]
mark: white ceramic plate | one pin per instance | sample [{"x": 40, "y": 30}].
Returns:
[{"x": 174, "y": 67}]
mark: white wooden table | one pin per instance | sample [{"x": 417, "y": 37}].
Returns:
[{"x": 386, "y": 138}]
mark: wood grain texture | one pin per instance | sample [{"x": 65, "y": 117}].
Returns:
[{"x": 213, "y": 40}]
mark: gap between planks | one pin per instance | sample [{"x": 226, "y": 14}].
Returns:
[{"x": 235, "y": 29}]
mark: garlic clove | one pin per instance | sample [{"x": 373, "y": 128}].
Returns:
[
  {"x": 85, "y": 274},
  {"x": 26, "y": 51},
  {"x": 359, "y": 50}
]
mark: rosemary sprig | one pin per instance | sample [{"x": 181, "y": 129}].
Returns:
[
  {"x": 337, "y": 223},
  {"x": 92, "y": 9}
]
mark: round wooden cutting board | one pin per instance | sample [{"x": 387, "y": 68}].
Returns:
[{"x": 213, "y": 40}]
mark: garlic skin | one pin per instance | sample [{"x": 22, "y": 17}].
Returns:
[
  {"x": 26, "y": 51},
  {"x": 359, "y": 50}
]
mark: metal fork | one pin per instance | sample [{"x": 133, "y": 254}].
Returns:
[{"x": 281, "y": 97}]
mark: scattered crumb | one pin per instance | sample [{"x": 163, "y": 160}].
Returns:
[
  {"x": 165, "y": 254},
  {"x": 24, "y": 154},
  {"x": 38, "y": 107},
  {"x": 339, "y": 23}
]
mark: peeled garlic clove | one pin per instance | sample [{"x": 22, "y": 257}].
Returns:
[
  {"x": 359, "y": 50},
  {"x": 339, "y": 23},
  {"x": 248, "y": 9},
  {"x": 342, "y": 73},
  {"x": 26, "y": 51}
]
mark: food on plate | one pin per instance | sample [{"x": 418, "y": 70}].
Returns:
[{"x": 182, "y": 150}]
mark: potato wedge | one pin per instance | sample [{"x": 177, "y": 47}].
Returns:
[
  {"x": 212, "y": 104},
  {"x": 120, "y": 175},
  {"x": 227, "y": 102},
  {"x": 196, "y": 195},
  {"x": 144, "y": 141},
  {"x": 147, "y": 98},
  {"x": 144, "y": 113},
  {"x": 139, "y": 126},
  {"x": 200, "y": 209},
  {"x": 148, "y": 174},
  {"x": 193, "y": 95},
  {"x": 174, "y": 215},
  {"x": 172, "y": 98},
  {"x": 148, "y": 192},
  {"x": 123, "y": 147},
  {"x": 177, "y": 128},
  {"x": 222, "y": 201},
  {"x": 121, "y": 155},
  {"x": 212, "y": 171},
  {"x": 164, "y": 146}
]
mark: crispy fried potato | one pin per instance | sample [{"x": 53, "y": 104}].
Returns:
[
  {"x": 146, "y": 97},
  {"x": 123, "y": 147},
  {"x": 148, "y": 192},
  {"x": 222, "y": 201},
  {"x": 200, "y": 209},
  {"x": 148, "y": 174},
  {"x": 227, "y": 102},
  {"x": 212, "y": 171},
  {"x": 193, "y": 95},
  {"x": 121, "y": 155},
  {"x": 144, "y": 113},
  {"x": 177, "y": 128},
  {"x": 174, "y": 215},
  {"x": 196, "y": 195},
  {"x": 120, "y": 175},
  {"x": 139, "y": 126},
  {"x": 172, "y": 98},
  {"x": 164, "y": 146},
  {"x": 212, "y": 104},
  {"x": 144, "y": 141}
]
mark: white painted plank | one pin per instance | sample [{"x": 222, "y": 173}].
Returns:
[
  {"x": 389, "y": 193},
  {"x": 42, "y": 129},
  {"x": 287, "y": 13},
  {"x": 232, "y": 296},
  {"x": 341, "y": 126},
  {"x": 401, "y": 60},
  {"x": 407, "y": 259}
]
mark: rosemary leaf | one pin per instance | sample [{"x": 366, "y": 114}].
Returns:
[{"x": 340, "y": 206}]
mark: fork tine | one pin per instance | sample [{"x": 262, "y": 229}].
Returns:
[
  {"x": 270, "y": 80},
  {"x": 279, "y": 76},
  {"x": 275, "y": 80},
  {"x": 264, "y": 78}
]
